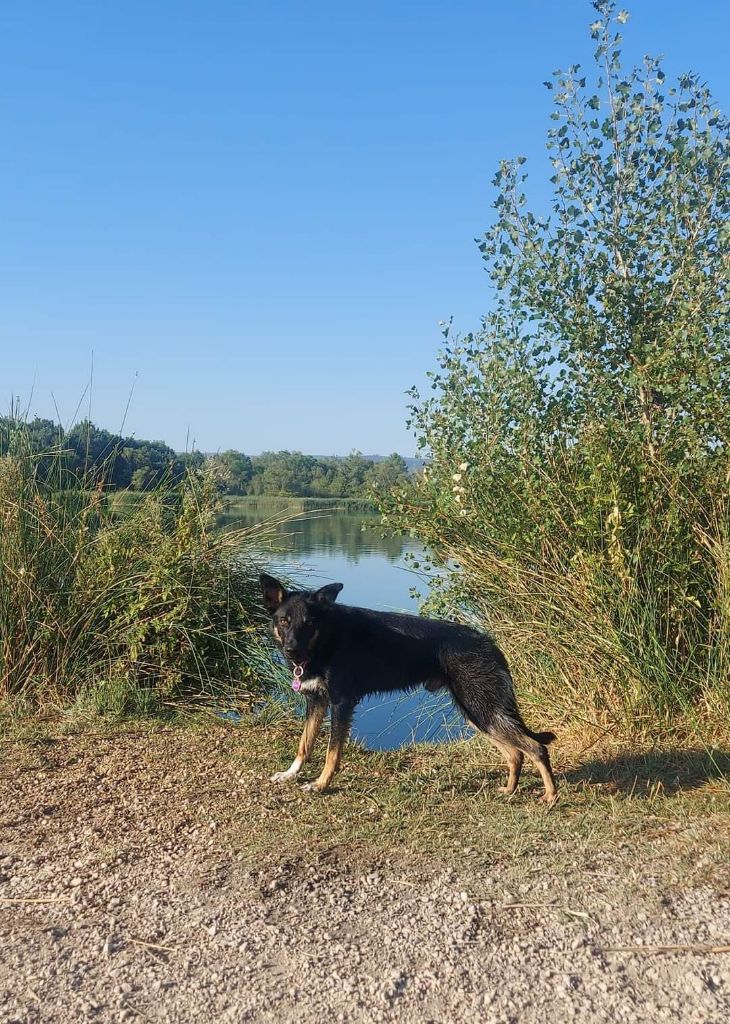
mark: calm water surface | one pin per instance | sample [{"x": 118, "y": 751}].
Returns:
[{"x": 348, "y": 549}]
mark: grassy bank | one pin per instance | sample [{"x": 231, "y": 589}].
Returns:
[
  {"x": 264, "y": 506},
  {"x": 651, "y": 810},
  {"x": 270, "y": 505},
  {"x": 443, "y": 801}
]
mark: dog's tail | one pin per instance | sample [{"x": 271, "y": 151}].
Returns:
[{"x": 541, "y": 737}]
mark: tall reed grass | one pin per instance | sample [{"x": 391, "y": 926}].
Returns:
[
  {"x": 618, "y": 620},
  {"x": 121, "y": 613}
]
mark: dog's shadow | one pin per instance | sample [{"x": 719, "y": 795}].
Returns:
[{"x": 643, "y": 775}]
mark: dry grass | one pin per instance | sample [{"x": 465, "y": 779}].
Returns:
[{"x": 658, "y": 813}]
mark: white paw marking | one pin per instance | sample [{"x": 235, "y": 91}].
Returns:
[{"x": 291, "y": 772}]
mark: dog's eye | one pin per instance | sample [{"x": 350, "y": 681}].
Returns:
[{"x": 283, "y": 621}]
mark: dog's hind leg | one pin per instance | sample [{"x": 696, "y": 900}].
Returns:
[
  {"x": 512, "y": 733},
  {"x": 316, "y": 710},
  {"x": 515, "y": 759},
  {"x": 511, "y": 736},
  {"x": 339, "y": 728}
]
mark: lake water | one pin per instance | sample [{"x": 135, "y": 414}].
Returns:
[{"x": 349, "y": 549}]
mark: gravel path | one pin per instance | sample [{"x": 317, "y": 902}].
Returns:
[{"x": 127, "y": 893}]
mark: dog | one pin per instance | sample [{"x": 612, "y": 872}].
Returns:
[{"x": 340, "y": 654}]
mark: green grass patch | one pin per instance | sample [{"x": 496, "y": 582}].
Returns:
[{"x": 442, "y": 800}]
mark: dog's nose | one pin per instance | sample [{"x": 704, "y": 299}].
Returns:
[{"x": 290, "y": 648}]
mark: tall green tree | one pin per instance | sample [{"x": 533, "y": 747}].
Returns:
[
  {"x": 388, "y": 473},
  {"x": 231, "y": 471},
  {"x": 579, "y": 443}
]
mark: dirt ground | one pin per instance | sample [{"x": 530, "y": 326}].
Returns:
[{"x": 157, "y": 876}]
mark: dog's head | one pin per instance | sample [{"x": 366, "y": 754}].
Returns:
[{"x": 298, "y": 617}]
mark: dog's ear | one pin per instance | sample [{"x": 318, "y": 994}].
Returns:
[
  {"x": 327, "y": 595},
  {"x": 273, "y": 591}
]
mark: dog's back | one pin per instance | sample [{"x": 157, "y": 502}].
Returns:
[{"x": 382, "y": 651}]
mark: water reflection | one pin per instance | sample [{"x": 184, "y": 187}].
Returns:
[{"x": 346, "y": 535}]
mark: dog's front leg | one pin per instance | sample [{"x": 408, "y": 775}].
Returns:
[
  {"x": 339, "y": 728},
  {"x": 316, "y": 710}
]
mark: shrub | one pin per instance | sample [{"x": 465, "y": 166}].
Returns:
[
  {"x": 120, "y": 610},
  {"x": 578, "y": 443}
]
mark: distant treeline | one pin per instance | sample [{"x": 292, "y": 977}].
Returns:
[
  {"x": 126, "y": 463},
  {"x": 307, "y": 476}
]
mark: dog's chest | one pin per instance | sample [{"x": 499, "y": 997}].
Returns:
[{"x": 314, "y": 685}]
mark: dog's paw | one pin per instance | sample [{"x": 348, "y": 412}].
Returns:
[
  {"x": 313, "y": 787},
  {"x": 286, "y": 776},
  {"x": 549, "y": 799}
]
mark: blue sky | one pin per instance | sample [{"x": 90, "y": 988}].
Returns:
[{"x": 256, "y": 213}]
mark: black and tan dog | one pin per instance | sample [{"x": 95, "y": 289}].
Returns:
[{"x": 340, "y": 654}]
